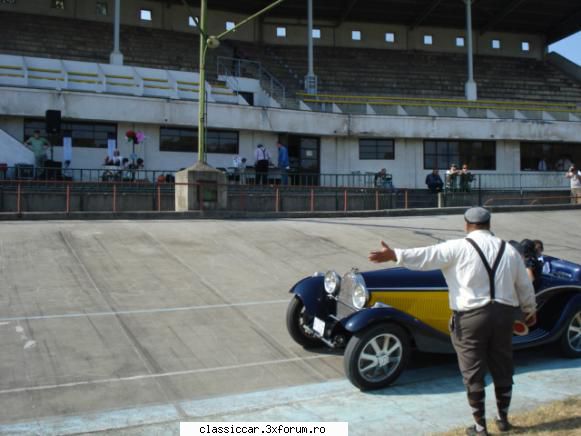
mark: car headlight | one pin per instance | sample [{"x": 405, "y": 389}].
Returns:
[
  {"x": 360, "y": 296},
  {"x": 332, "y": 282}
]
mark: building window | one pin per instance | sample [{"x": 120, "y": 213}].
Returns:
[
  {"x": 428, "y": 40},
  {"x": 192, "y": 21},
  {"x": 525, "y": 46},
  {"x": 281, "y": 32},
  {"x": 316, "y": 33},
  {"x": 145, "y": 15},
  {"x": 441, "y": 154},
  {"x": 495, "y": 44},
  {"x": 356, "y": 35},
  {"x": 390, "y": 37},
  {"x": 102, "y": 9},
  {"x": 84, "y": 134},
  {"x": 548, "y": 156},
  {"x": 230, "y": 25},
  {"x": 57, "y": 4},
  {"x": 377, "y": 149},
  {"x": 459, "y": 41},
  {"x": 186, "y": 140}
]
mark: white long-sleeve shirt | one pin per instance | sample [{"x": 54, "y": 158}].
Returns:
[{"x": 468, "y": 282}]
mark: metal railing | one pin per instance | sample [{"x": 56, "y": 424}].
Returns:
[{"x": 235, "y": 67}]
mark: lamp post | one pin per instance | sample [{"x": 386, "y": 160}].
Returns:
[{"x": 213, "y": 42}]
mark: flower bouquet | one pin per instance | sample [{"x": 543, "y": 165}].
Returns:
[{"x": 135, "y": 137}]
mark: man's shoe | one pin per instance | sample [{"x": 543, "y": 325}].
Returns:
[
  {"x": 502, "y": 425},
  {"x": 471, "y": 431}
]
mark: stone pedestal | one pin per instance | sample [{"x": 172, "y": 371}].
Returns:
[{"x": 201, "y": 187}]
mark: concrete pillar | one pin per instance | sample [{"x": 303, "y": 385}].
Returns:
[
  {"x": 116, "y": 57},
  {"x": 201, "y": 187},
  {"x": 470, "y": 86},
  {"x": 310, "y": 78}
]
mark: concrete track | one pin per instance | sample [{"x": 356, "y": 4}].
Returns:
[{"x": 110, "y": 324}]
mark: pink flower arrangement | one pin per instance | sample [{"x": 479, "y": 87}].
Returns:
[{"x": 135, "y": 137}]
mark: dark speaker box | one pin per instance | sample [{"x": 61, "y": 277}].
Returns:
[{"x": 53, "y": 122}]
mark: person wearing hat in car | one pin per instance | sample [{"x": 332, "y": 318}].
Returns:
[{"x": 487, "y": 281}]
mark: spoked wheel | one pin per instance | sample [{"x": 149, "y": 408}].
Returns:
[
  {"x": 571, "y": 339},
  {"x": 375, "y": 357},
  {"x": 296, "y": 321}
]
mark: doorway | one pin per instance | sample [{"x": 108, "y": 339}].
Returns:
[{"x": 304, "y": 154}]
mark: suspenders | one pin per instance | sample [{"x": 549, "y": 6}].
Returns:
[{"x": 491, "y": 271}]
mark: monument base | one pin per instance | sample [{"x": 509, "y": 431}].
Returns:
[{"x": 201, "y": 187}]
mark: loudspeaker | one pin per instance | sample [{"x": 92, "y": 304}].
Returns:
[{"x": 53, "y": 122}]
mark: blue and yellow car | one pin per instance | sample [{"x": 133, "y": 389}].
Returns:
[{"x": 380, "y": 316}]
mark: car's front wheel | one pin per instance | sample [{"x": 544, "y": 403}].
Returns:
[
  {"x": 375, "y": 357},
  {"x": 297, "y": 321},
  {"x": 571, "y": 339}
]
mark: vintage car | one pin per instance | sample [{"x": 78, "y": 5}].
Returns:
[{"x": 380, "y": 316}]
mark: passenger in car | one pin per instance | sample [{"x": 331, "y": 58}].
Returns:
[{"x": 532, "y": 263}]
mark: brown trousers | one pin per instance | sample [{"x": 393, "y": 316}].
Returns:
[{"x": 482, "y": 339}]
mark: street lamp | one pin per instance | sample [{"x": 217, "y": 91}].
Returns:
[{"x": 212, "y": 42}]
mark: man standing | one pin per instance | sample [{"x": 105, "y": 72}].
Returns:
[
  {"x": 434, "y": 181},
  {"x": 487, "y": 280},
  {"x": 261, "y": 162},
  {"x": 575, "y": 176},
  {"x": 283, "y": 163},
  {"x": 38, "y": 145}
]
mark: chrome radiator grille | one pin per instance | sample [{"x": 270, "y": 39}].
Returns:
[{"x": 344, "y": 298}]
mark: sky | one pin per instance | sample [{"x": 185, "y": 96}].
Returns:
[{"x": 569, "y": 47}]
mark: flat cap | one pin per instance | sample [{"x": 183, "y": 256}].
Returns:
[{"x": 477, "y": 215}]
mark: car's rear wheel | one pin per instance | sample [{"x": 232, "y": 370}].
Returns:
[
  {"x": 375, "y": 357},
  {"x": 297, "y": 321},
  {"x": 571, "y": 339}
]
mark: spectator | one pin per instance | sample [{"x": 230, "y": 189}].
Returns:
[
  {"x": 452, "y": 177},
  {"x": 575, "y": 176},
  {"x": 67, "y": 171},
  {"x": 383, "y": 179},
  {"x": 261, "y": 163},
  {"x": 38, "y": 145},
  {"x": 466, "y": 179},
  {"x": 434, "y": 181},
  {"x": 542, "y": 166},
  {"x": 117, "y": 158},
  {"x": 283, "y": 163}
]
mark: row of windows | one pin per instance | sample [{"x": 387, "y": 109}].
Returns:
[{"x": 441, "y": 153}]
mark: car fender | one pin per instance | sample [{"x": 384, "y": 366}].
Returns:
[
  {"x": 423, "y": 336},
  {"x": 311, "y": 291},
  {"x": 570, "y": 307}
]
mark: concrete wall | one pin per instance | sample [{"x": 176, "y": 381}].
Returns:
[{"x": 175, "y": 17}]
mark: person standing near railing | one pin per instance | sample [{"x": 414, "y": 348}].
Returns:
[
  {"x": 261, "y": 163},
  {"x": 39, "y": 146},
  {"x": 574, "y": 175},
  {"x": 283, "y": 163}
]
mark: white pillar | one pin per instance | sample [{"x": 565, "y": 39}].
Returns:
[
  {"x": 116, "y": 57},
  {"x": 470, "y": 86}
]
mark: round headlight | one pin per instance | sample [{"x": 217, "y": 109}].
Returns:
[
  {"x": 360, "y": 296},
  {"x": 332, "y": 282}
]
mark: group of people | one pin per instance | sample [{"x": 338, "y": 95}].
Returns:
[
  {"x": 488, "y": 283},
  {"x": 120, "y": 168},
  {"x": 456, "y": 179},
  {"x": 262, "y": 164}
]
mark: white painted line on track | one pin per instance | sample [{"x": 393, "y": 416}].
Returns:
[
  {"x": 4, "y": 321},
  {"x": 158, "y": 375}
]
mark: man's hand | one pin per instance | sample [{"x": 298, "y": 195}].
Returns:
[
  {"x": 531, "y": 318},
  {"x": 386, "y": 254}
]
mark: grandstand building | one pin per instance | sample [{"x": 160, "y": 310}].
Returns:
[{"x": 390, "y": 92}]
